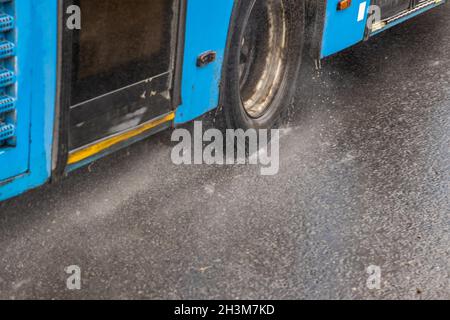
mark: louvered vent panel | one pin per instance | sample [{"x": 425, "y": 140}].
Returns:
[{"x": 7, "y": 75}]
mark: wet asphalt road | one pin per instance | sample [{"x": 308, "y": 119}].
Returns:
[{"x": 364, "y": 180}]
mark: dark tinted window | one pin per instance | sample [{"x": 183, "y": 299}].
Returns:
[{"x": 120, "y": 43}]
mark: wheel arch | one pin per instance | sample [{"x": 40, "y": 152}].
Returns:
[{"x": 314, "y": 25}]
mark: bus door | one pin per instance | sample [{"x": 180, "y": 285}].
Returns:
[
  {"x": 390, "y": 8},
  {"x": 393, "y": 8},
  {"x": 396, "y": 11},
  {"x": 118, "y": 68}
]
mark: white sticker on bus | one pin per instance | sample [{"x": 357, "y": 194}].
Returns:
[{"x": 362, "y": 11}]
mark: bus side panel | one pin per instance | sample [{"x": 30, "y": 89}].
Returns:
[
  {"x": 41, "y": 23},
  {"x": 344, "y": 28},
  {"x": 207, "y": 25}
]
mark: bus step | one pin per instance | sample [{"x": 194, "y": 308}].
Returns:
[{"x": 376, "y": 27}]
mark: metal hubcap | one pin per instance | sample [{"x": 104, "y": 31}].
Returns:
[{"x": 263, "y": 56}]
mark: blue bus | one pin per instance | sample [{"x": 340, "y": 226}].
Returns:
[{"x": 81, "y": 79}]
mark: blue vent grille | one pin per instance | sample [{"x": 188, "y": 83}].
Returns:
[
  {"x": 7, "y": 49},
  {"x": 6, "y": 22},
  {"x": 6, "y": 131},
  {"x": 7, "y": 75},
  {"x": 7, "y": 78},
  {"x": 7, "y": 104}
]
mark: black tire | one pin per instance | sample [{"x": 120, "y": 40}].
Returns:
[{"x": 237, "y": 113}]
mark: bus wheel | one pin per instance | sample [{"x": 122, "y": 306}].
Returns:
[{"x": 263, "y": 62}]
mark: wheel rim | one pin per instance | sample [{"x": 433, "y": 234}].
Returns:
[{"x": 262, "y": 61}]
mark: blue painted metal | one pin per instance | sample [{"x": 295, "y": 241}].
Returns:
[
  {"x": 28, "y": 164},
  {"x": 207, "y": 25},
  {"x": 344, "y": 28}
]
